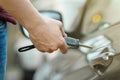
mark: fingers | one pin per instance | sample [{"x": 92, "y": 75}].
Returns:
[
  {"x": 54, "y": 39},
  {"x": 44, "y": 48},
  {"x": 61, "y": 29},
  {"x": 53, "y": 48},
  {"x": 63, "y": 46},
  {"x": 63, "y": 32}
]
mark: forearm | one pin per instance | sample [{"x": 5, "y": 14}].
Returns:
[
  {"x": 22, "y": 10},
  {"x": 45, "y": 33}
]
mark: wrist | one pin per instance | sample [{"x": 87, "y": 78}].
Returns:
[{"x": 34, "y": 22}]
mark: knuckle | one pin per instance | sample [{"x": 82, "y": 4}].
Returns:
[
  {"x": 42, "y": 49},
  {"x": 53, "y": 48},
  {"x": 60, "y": 23},
  {"x": 61, "y": 43},
  {"x": 49, "y": 50}
]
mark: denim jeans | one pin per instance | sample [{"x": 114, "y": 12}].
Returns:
[{"x": 3, "y": 49}]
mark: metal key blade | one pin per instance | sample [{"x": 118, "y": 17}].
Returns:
[{"x": 83, "y": 45}]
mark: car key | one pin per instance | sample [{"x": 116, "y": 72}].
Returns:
[{"x": 72, "y": 42}]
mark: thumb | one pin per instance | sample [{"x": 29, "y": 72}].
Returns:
[{"x": 63, "y": 32}]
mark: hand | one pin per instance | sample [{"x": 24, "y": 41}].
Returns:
[{"x": 48, "y": 36}]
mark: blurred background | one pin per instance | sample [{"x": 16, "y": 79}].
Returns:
[{"x": 81, "y": 18}]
